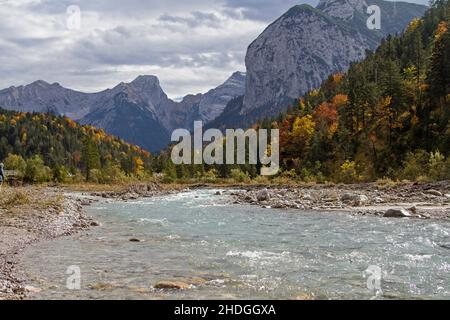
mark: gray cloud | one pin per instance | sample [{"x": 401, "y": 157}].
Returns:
[
  {"x": 194, "y": 20},
  {"x": 264, "y": 10}
]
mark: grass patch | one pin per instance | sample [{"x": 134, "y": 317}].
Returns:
[
  {"x": 34, "y": 199},
  {"x": 15, "y": 199}
]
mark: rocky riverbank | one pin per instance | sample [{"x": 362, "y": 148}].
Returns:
[
  {"x": 423, "y": 201},
  {"x": 134, "y": 192},
  {"x": 32, "y": 214},
  {"x": 29, "y": 215}
]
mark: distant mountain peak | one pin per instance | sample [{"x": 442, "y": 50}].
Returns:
[
  {"x": 238, "y": 77},
  {"x": 298, "y": 9},
  {"x": 40, "y": 83},
  {"x": 343, "y": 9},
  {"x": 146, "y": 80},
  {"x": 238, "y": 74}
]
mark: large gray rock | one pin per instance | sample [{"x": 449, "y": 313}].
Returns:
[
  {"x": 139, "y": 112},
  {"x": 357, "y": 199},
  {"x": 397, "y": 213},
  {"x": 263, "y": 195}
]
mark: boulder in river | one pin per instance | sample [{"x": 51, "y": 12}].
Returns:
[
  {"x": 263, "y": 195},
  {"x": 397, "y": 213},
  {"x": 135, "y": 240}
]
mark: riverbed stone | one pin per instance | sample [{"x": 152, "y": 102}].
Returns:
[
  {"x": 355, "y": 199},
  {"x": 434, "y": 193},
  {"x": 347, "y": 197},
  {"x": 378, "y": 200},
  {"x": 172, "y": 285},
  {"x": 305, "y": 297},
  {"x": 361, "y": 200},
  {"x": 397, "y": 213},
  {"x": 32, "y": 289},
  {"x": 263, "y": 195}
]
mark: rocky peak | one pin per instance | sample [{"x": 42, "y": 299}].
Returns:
[
  {"x": 146, "y": 82},
  {"x": 214, "y": 101},
  {"x": 236, "y": 79},
  {"x": 40, "y": 84},
  {"x": 342, "y": 9}
]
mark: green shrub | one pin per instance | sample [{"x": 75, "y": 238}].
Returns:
[
  {"x": 95, "y": 176},
  {"x": 239, "y": 176},
  {"x": 211, "y": 176},
  {"x": 61, "y": 174},
  {"x": 347, "y": 172},
  {"x": 15, "y": 162},
  {"x": 416, "y": 166},
  {"x": 438, "y": 167},
  {"x": 36, "y": 171}
]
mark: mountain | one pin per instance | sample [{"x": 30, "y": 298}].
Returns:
[
  {"x": 129, "y": 111},
  {"x": 205, "y": 107},
  {"x": 139, "y": 112},
  {"x": 44, "y": 97},
  {"x": 304, "y": 46}
]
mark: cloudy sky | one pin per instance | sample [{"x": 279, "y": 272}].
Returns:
[{"x": 191, "y": 45}]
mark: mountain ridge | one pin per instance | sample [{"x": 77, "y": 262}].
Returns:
[{"x": 150, "y": 111}]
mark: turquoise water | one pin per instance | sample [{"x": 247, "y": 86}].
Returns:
[{"x": 242, "y": 252}]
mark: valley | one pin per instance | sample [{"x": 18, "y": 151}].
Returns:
[{"x": 100, "y": 204}]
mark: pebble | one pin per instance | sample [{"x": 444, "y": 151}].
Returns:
[
  {"x": 435, "y": 193},
  {"x": 172, "y": 285}
]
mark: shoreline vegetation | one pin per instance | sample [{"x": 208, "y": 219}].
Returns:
[{"x": 35, "y": 213}]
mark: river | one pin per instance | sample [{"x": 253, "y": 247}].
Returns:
[{"x": 242, "y": 252}]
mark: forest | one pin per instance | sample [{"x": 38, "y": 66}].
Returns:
[
  {"x": 388, "y": 116},
  {"x": 44, "y": 147}
]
